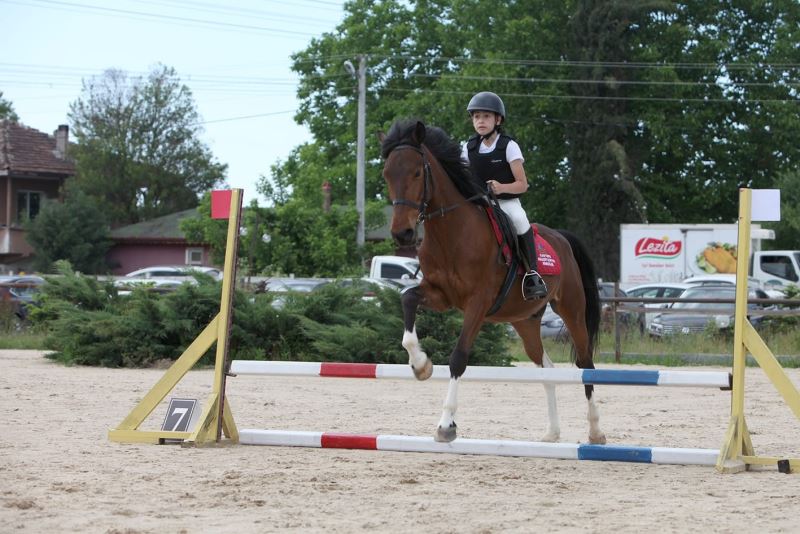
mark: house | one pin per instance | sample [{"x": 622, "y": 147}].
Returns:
[
  {"x": 158, "y": 241},
  {"x": 33, "y": 166}
]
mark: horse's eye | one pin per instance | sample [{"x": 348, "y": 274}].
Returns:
[{"x": 417, "y": 174}]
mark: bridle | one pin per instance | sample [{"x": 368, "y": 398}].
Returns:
[{"x": 427, "y": 186}]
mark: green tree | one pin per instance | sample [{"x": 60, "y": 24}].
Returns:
[
  {"x": 626, "y": 111},
  {"x": 75, "y": 230},
  {"x": 787, "y": 230},
  {"x": 138, "y": 149},
  {"x": 7, "y": 110},
  {"x": 291, "y": 238}
]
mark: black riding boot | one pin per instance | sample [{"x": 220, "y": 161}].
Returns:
[{"x": 533, "y": 287}]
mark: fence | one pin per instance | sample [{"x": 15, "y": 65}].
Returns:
[{"x": 638, "y": 305}]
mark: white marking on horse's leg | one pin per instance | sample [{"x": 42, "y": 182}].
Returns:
[
  {"x": 553, "y": 428},
  {"x": 447, "y": 424},
  {"x": 595, "y": 434},
  {"x": 416, "y": 356}
]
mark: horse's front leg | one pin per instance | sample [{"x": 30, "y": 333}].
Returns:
[
  {"x": 446, "y": 431},
  {"x": 530, "y": 332},
  {"x": 417, "y": 359}
]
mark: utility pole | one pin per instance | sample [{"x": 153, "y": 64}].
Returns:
[{"x": 361, "y": 76}]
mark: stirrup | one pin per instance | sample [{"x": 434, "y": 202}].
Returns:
[{"x": 533, "y": 286}]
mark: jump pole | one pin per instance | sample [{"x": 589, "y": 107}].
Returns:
[
  {"x": 488, "y": 447},
  {"x": 623, "y": 377}
]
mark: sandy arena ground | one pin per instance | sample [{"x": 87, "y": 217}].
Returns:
[{"x": 61, "y": 474}]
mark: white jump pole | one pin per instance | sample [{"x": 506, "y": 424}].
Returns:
[
  {"x": 489, "y": 447},
  {"x": 629, "y": 377}
]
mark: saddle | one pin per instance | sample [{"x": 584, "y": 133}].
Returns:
[{"x": 547, "y": 261}]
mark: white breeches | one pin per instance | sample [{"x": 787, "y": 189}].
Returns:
[{"x": 513, "y": 208}]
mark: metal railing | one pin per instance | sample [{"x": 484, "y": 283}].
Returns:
[{"x": 619, "y": 307}]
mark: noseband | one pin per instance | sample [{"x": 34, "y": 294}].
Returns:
[{"x": 427, "y": 186}]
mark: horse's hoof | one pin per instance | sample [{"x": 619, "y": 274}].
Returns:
[
  {"x": 597, "y": 439},
  {"x": 426, "y": 371},
  {"x": 550, "y": 437},
  {"x": 445, "y": 435}
]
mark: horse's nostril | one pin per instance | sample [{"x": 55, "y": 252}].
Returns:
[{"x": 404, "y": 237}]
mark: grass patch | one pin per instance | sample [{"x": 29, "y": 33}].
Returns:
[{"x": 24, "y": 340}]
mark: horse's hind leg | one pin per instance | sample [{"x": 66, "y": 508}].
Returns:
[
  {"x": 419, "y": 361},
  {"x": 583, "y": 359},
  {"x": 529, "y": 331}
]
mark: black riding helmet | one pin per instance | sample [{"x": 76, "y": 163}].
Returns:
[{"x": 487, "y": 101}]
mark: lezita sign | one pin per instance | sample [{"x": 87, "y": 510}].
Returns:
[{"x": 650, "y": 247}]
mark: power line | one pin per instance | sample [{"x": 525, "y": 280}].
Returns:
[
  {"x": 717, "y": 83},
  {"x": 561, "y": 62},
  {"x": 231, "y": 10},
  {"x": 243, "y": 117},
  {"x": 571, "y": 63},
  {"x": 602, "y": 98},
  {"x": 126, "y": 13}
]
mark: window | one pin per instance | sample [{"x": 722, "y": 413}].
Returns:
[
  {"x": 393, "y": 271},
  {"x": 194, "y": 256},
  {"x": 28, "y": 205},
  {"x": 780, "y": 266},
  {"x": 649, "y": 293},
  {"x": 673, "y": 292}
]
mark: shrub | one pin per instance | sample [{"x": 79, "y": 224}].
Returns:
[{"x": 89, "y": 323}]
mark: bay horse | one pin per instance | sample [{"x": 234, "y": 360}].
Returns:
[{"x": 459, "y": 257}]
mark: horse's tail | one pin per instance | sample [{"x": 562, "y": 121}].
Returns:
[{"x": 590, "y": 291}]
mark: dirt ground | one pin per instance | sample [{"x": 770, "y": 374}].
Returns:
[{"x": 60, "y": 473}]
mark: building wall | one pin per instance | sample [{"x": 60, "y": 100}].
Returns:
[
  {"x": 48, "y": 187},
  {"x": 125, "y": 257}
]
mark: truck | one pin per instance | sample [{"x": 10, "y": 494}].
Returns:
[
  {"x": 651, "y": 253},
  {"x": 402, "y": 269}
]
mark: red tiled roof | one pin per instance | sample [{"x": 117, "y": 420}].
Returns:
[{"x": 23, "y": 149}]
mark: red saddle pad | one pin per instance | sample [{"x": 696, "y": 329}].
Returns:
[{"x": 548, "y": 260}]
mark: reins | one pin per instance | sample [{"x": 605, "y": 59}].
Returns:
[{"x": 427, "y": 186}]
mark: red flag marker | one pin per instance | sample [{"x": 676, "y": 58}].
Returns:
[{"x": 221, "y": 204}]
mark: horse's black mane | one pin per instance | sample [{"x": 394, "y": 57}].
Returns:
[{"x": 447, "y": 152}]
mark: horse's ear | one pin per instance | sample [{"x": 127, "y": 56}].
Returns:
[
  {"x": 419, "y": 133},
  {"x": 381, "y": 136}
]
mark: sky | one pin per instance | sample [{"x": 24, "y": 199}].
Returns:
[{"x": 233, "y": 55}]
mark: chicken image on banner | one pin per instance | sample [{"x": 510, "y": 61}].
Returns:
[{"x": 718, "y": 258}]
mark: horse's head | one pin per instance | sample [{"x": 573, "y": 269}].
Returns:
[{"x": 407, "y": 174}]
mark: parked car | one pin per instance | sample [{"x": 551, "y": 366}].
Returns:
[
  {"x": 284, "y": 285},
  {"x": 20, "y": 291},
  {"x": 160, "y": 285},
  {"x": 627, "y": 319},
  {"x": 175, "y": 271},
  {"x": 730, "y": 280},
  {"x": 720, "y": 315},
  {"x": 553, "y": 325},
  {"x": 663, "y": 290},
  {"x": 368, "y": 286},
  {"x": 281, "y": 287}
]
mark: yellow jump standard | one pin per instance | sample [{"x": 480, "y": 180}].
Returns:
[
  {"x": 736, "y": 453},
  {"x": 216, "y": 417}
]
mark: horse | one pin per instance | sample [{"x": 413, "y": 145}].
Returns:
[{"x": 429, "y": 183}]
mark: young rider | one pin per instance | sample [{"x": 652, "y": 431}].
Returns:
[{"x": 497, "y": 159}]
